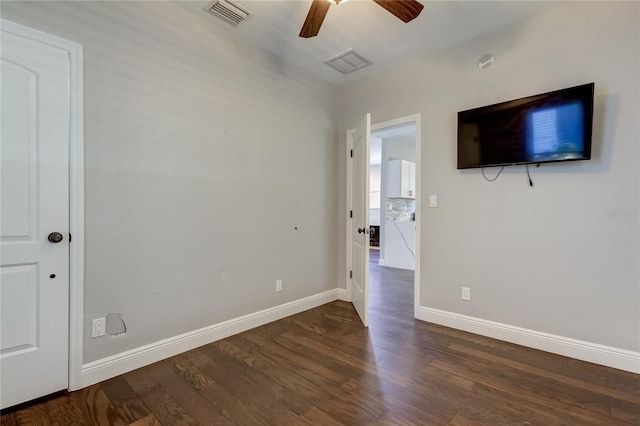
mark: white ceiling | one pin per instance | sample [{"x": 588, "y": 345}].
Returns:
[{"x": 367, "y": 28}]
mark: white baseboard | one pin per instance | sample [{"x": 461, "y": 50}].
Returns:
[
  {"x": 124, "y": 362},
  {"x": 586, "y": 351},
  {"x": 343, "y": 295}
]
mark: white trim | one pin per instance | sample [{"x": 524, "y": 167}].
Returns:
[
  {"x": 124, "y": 362},
  {"x": 76, "y": 217},
  {"x": 76, "y": 187},
  {"x": 342, "y": 295},
  {"x": 586, "y": 351}
]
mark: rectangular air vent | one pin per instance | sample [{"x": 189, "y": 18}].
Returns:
[
  {"x": 230, "y": 12},
  {"x": 347, "y": 61}
]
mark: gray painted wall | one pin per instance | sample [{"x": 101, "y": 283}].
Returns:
[
  {"x": 551, "y": 258},
  {"x": 202, "y": 155}
]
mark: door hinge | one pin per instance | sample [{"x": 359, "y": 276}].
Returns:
[
  {"x": 351, "y": 154},
  {"x": 351, "y": 214},
  {"x": 69, "y": 237},
  {"x": 351, "y": 274}
]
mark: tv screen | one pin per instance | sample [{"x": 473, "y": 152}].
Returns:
[{"x": 554, "y": 126}]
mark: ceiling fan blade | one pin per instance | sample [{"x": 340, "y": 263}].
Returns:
[
  {"x": 312, "y": 24},
  {"x": 405, "y": 10}
]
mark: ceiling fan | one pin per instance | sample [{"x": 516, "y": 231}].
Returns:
[{"x": 405, "y": 10}]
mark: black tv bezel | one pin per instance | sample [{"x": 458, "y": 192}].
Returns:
[{"x": 583, "y": 92}]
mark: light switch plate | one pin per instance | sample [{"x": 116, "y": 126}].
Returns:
[{"x": 433, "y": 201}]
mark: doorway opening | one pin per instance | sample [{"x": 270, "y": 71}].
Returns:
[
  {"x": 392, "y": 217},
  {"x": 390, "y": 212}
]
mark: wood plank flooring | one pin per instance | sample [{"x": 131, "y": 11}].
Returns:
[{"x": 321, "y": 367}]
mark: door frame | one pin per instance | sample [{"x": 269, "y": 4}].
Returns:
[
  {"x": 76, "y": 189},
  {"x": 414, "y": 119}
]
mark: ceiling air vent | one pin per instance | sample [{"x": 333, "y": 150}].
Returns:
[
  {"x": 347, "y": 61},
  {"x": 230, "y": 12}
]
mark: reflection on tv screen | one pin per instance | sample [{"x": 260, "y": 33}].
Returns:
[{"x": 555, "y": 133}]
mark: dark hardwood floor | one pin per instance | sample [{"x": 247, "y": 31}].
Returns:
[{"x": 322, "y": 367}]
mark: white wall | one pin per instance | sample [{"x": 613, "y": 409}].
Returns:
[
  {"x": 551, "y": 258},
  {"x": 374, "y": 194},
  {"x": 375, "y": 188},
  {"x": 202, "y": 156},
  {"x": 401, "y": 147}
]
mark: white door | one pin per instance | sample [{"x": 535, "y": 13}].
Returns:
[
  {"x": 360, "y": 221},
  {"x": 34, "y": 168}
]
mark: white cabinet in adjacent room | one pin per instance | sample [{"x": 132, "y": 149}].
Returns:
[{"x": 401, "y": 177}]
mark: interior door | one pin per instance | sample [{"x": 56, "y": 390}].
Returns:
[
  {"x": 34, "y": 222},
  {"x": 360, "y": 221}
]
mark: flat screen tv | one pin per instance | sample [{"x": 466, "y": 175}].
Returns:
[{"x": 549, "y": 127}]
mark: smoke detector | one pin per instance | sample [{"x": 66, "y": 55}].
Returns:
[{"x": 486, "y": 61}]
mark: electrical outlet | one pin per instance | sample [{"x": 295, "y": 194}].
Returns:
[
  {"x": 466, "y": 293},
  {"x": 98, "y": 327},
  {"x": 278, "y": 285}
]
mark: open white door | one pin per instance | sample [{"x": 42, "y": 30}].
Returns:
[
  {"x": 360, "y": 220},
  {"x": 34, "y": 225}
]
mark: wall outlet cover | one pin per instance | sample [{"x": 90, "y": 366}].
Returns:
[
  {"x": 98, "y": 327},
  {"x": 466, "y": 293}
]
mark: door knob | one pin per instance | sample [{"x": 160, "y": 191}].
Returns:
[
  {"x": 362, "y": 230},
  {"x": 55, "y": 237}
]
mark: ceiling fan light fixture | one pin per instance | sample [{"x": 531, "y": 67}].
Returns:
[{"x": 405, "y": 10}]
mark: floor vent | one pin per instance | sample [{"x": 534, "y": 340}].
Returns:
[
  {"x": 347, "y": 61},
  {"x": 230, "y": 12}
]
